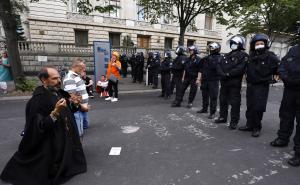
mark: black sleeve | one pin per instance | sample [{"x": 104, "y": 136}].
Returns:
[
  {"x": 239, "y": 69},
  {"x": 274, "y": 62}
]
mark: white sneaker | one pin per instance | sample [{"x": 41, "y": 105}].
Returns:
[
  {"x": 108, "y": 98},
  {"x": 114, "y": 99}
]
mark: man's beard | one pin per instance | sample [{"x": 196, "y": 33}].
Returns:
[{"x": 54, "y": 88}]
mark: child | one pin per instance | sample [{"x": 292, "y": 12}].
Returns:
[{"x": 101, "y": 86}]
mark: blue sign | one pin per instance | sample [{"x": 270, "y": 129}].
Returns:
[{"x": 101, "y": 58}]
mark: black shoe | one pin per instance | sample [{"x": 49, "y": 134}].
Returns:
[
  {"x": 255, "y": 133},
  {"x": 295, "y": 161},
  {"x": 211, "y": 116},
  {"x": 220, "y": 120},
  {"x": 189, "y": 105},
  {"x": 232, "y": 126},
  {"x": 202, "y": 111},
  {"x": 245, "y": 129},
  {"x": 279, "y": 143},
  {"x": 176, "y": 104},
  {"x": 167, "y": 97}
]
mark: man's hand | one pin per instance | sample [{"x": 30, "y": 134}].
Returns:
[
  {"x": 76, "y": 99},
  {"x": 62, "y": 103},
  {"x": 85, "y": 107},
  {"x": 277, "y": 78}
]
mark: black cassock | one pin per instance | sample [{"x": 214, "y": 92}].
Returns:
[{"x": 50, "y": 151}]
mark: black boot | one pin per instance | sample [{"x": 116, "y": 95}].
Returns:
[
  {"x": 176, "y": 104},
  {"x": 232, "y": 126},
  {"x": 295, "y": 161},
  {"x": 220, "y": 120},
  {"x": 279, "y": 143},
  {"x": 202, "y": 111},
  {"x": 245, "y": 128},
  {"x": 211, "y": 116},
  {"x": 255, "y": 133},
  {"x": 189, "y": 105}
]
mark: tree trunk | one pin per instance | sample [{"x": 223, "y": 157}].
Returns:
[
  {"x": 10, "y": 26},
  {"x": 181, "y": 35}
]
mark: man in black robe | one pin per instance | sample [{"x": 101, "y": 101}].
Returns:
[{"x": 50, "y": 151}]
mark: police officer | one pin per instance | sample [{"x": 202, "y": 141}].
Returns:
[
  {"x": 262, "y": 65},
  {"x": 233, "y": 68},
  {"x": 140, "y": 67},
  {"x": 133, "y": 63},
  {"x": 153, "y": 64},
  {"x": 289, "y": 71},
  {"x": 211, "y": 72},
  {"x": 149, "y": 61},
  {"x": 165, "y": 71},
  {"x": 124, "y": 64},
  {"x": 191, "y": 78},
  {"x": 177, "y": 69}
]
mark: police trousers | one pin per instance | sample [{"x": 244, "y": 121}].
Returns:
[
  {"x": 289, "y": 112},
  {"x": 210, "y": 92},
  {"x": 230, "y": 96}
]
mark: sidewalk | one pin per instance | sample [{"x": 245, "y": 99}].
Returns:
[{"x": 125, "y": 87}]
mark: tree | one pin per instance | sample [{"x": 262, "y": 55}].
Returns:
[
  {"x": 272, "y": 17},
  {"x": 183, "y": 11},
  {"x": 9, "y": 12}
]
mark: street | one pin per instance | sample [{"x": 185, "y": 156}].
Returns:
[{"x": 161, "y": 145}]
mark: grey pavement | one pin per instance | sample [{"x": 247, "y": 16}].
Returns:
[{"x": 167, "y": 146}]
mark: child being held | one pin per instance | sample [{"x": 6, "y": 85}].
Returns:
[{"x": 101, "y": 86}]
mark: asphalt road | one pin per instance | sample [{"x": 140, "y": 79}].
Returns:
[{"x": 161, "y": 145}]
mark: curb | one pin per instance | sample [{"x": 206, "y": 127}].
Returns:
[{"x": 12, "y": 98}]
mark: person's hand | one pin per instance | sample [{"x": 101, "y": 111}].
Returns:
[
  {"x": 85, "y": 107},
  {"x": 62, "y": 103},
  {"x": 198, "y": 81},
  {"x": 114, "y": 64},
  {"x": 276, "y": 77},
  {"x": 75, "y": 99}
]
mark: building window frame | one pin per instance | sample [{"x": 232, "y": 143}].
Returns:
[
  {"x": 169, "y": 43},
  {"x": 81, "y": 37},
  {"x": 113, "y": 40},
  {"x": 208, "y": 24}
]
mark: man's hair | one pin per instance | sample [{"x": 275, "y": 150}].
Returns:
[
  {"x": 44, "y": 72},
  {"x": 77, "y": 62}
]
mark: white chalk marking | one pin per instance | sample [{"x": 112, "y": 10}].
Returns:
[
  {"x": 115, "y": 151},
  {"x": 273, "y": 172},
  {"x": 246, "y": 172},
  {"x": 235, "y": 176},
  {"x": 235, "y": 150},
  {"x": 129, "y": 129}
]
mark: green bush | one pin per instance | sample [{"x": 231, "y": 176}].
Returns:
[{"x": 27, "y": 85}]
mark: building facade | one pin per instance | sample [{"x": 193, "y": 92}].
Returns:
[{"x": 55, "y": 21}]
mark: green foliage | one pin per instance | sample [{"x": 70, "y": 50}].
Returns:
[
  {"x": 27, "y": 85},
  {"x": 272, "y": 17},
  {"x": 183, "y": 11}
]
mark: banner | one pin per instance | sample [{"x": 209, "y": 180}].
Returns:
[{"x": 102, "y": 56}]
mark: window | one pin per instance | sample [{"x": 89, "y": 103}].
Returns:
[
  {"x": 165, "y": 19},
  {"x": 208, "y": 22},
  {"x": 168, "y": 43},
  {"x": 116, "y": 11},
  {"x": 114, "y": 39},
  {"x": 143, "y": 41},
  {"x": 140, "y": 13},
  {"x": 73, "y": 6},
  {"x": 81, "y": 37},
  {"x": 190, "y": 42}
]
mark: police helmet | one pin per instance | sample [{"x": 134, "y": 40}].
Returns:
[
  {"x": 150, "y": 54},
  {"x": 168, "y": 54},
  {"x": 180, "y": 50},
  {"x": 239, "y": 40},
  {"x": 156, "y": 55},
  {"x": 259, "y": 37},
  {"x": 195, "y": 49},
  {"x": 214, "y": 47}
]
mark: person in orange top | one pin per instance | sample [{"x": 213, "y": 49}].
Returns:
[{"x": 113, "y": 76}]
